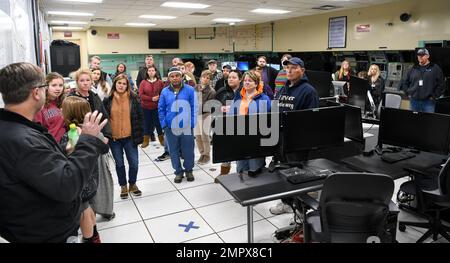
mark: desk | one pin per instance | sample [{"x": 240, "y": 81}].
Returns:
[
  {"x": 373, "y": 164},
  {"x": 249, "y": 191}
]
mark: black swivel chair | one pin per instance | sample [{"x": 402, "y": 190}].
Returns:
[
  {"x": 443, "y": 105},
  {"x": 352, "y": 208},
  {"x": 431, "y": 203}
]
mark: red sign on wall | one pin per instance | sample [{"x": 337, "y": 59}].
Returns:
[
  {"x": 67, "y": 34},
  {"x": 113, "y": 35},
  {"x": 363, "y": 28}
]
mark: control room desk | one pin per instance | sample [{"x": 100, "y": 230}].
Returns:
[
  {"x": 267, "y": 186},
  {"x": 374, "y": 164}
]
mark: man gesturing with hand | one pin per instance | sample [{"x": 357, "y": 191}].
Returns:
[{"x": 40, "y": 185}]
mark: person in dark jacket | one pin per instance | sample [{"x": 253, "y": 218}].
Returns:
[
  {"x": 224, "y": 96},
  {"x": 424, "y": 83},
  {"x": 376, "y": 85},
  {"x": 40, "y": 185},
  {"x": 149, "y": 62},
  {"x": 125, "y": 116},
  {"x": 268, "y": 74},
  {"x": 226, "y": 69},
  {"x": 297, "y": 94}
]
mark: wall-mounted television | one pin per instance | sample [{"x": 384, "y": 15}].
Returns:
[{"x": 163, "y": 39}]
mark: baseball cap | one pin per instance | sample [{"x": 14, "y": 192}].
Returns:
[
  {"x": 173, "y": 70},
  {"x": 423, "y": 52},
  {"x": 227, "y": 66},
  {"x": 212, "y": 61},
  {"x": 294, "y": 61}
]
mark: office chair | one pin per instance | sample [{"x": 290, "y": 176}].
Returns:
[
  {"x": 353, "y": 208},
  {"x": 443, "y": 105},
  {"x": 431, "y": 203}
]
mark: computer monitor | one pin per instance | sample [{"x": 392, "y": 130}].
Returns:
[
  {"x": 243, "y": 66},
  {"x": 321, "y": 81},
  {"x": 353, "y": 123},
  {"x": 313, "y": 129},
  {"x": 234, "y": 139},
  {"x": 420, "y": 130},
  {"x": 357, "y": 93},
  {"x": 338, "y": 87}
]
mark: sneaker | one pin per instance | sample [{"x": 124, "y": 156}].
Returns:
[
  {"x": 206, "y": 159},
  {"x": 93, "y": 240},
  {"x": 163, "y": 157},
  {"x": 280, "y": 208},
  {"x": 134, "y": 190},
  {"x": 124, "y": 192},
  {"x": 189, "y": 177},
  {"x": 178, "y": 178}
]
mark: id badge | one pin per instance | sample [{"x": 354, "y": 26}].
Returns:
[{"x": 421, "y": 82}]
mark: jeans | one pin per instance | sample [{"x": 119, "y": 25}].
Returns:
[
  {"x": 422, "y": 105},
  {"x": 250, "y": 165},
  {"x": 182, "y": 142},
  {"x": 131, "y": 151},
  {"x": 151, "y": 121}
]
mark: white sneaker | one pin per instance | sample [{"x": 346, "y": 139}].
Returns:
[{"x": 280, "y": 208}]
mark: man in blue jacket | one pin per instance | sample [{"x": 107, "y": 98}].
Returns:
[{"x": 177, "y": 108}]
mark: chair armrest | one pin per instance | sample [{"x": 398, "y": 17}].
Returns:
[{"x": 309, "y": 201}]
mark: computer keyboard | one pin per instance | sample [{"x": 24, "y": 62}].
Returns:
[
  {"x": 396, "y": 156},
  {"x": 296, "y": 175}
]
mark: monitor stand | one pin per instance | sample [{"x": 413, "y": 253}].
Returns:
[{"x": 273, "y": 167}]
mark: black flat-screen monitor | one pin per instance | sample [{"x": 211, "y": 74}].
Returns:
[
  {"x": 353, "y": 123},
  {"x": 313, "y": 129},
  {"x": 420, "y": 130},
  {"x": 240, "y": 137},
  {"x": 163, "y": 39},
  {"x": 321, "y": 81},
  {"x": 357, "y": 92}
]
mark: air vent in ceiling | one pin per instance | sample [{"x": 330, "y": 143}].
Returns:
[
  {"x": 200, "y": 14},
  {"x": 100, "y": 19},
  {"x": 326, "y": 7}
]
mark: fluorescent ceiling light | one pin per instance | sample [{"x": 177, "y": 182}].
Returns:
[
  {"x": 84, "y": 1},
  {"x": 185, "y": 5},
  {"x": 228, "y": 20},
  {"x": 157, "y": 17},
  {"x": 58, "y": 22},
  {"x": 140, "y": 24},
  {"x": 67, "y": 28},
  {"x": 64, "y": 13},
  {"x": 269, "y": 11}
]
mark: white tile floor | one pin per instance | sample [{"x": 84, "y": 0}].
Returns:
[{"x": 211, "y": 214}]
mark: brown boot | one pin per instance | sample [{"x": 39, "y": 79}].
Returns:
[
  {"x": 224, "y": 170},
  {"x": 146, "y": 141},
  {"x": 161, "y": 139}
]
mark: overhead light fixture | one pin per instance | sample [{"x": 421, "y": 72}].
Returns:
[
  {"x": 67, "y": 28},
  {"x": 140, "y": 24},
  {"x": 228, "y": 20},
  {"x": 157, "y": 17},
  {"x": 232, "y": 24},
  {"x": 269, "y": 11},
  {"x": 65, "y": 13},
  {"x": 185, "y": 5},
  {"x": 83, "y": 1},
  {"x": 58, "y": 22}
]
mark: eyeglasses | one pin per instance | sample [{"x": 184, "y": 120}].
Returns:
[{"x": 45, "y": 86}]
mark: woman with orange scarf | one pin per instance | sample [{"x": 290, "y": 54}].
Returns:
[{"x": 250, "y": 100}]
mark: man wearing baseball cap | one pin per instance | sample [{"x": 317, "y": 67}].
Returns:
[
  {"x": 216, "y": 74},
  {"x": 177, "y": 108},
  {"x": 226, "y": 69},
  {"x": 424, "y": 83},
  {"x": 297, "y": 94}
]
